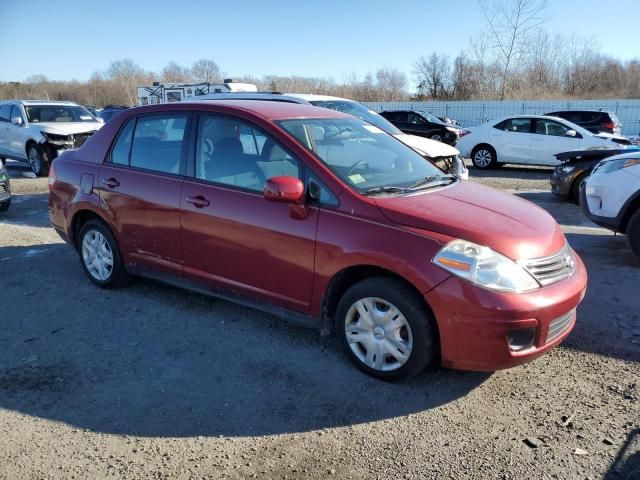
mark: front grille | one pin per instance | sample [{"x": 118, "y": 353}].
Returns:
[
  {"x": 551, "y": 269},
  {"x": 559, "y": 325},
  {"x": 80, "y": 138}
]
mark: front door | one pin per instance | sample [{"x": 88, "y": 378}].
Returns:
[
  {"x": 232, "y": 237},
  {"x": 140, "y": 187},
  {"x": 550, "y": 138}
]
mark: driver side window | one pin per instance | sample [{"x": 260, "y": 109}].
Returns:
[
  {"x": 234, "y": 152},
  {"x": 416, "y": 119},
  {"x": 549, "y": 127}
]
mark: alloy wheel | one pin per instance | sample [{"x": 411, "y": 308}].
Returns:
[
  {"x": 436, "y": 137},
  {"x": 378, "y": 334},
  {"x": 483, "y": 158},
  {"x": 97, "y": 255},
  {"x": 35, "y": 162}
]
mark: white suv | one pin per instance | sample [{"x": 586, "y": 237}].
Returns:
[
  {"x": 610, "y": 197},
  {"x": 37, "y": 131}
]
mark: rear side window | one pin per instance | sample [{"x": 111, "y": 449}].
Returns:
[
  {"x": 521, "y": 125},
  {"x": 157, "y": 143},
  {"x": 122, "y": 147}
]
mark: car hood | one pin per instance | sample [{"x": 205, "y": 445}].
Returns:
[
  {"x": 67, "y": 128},
  {"x": 506, "y": 223},
  {"x": 431, "y": 148},
  {"x": 598, "y": 153}
]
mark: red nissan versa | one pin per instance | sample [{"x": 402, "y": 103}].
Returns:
[{"x": 324, "y": 219}]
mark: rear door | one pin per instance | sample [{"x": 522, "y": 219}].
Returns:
[
  {"x": 232, "y": 237},
  {"x": 5, "y": 122},
  {"x": 549, "y": 138},
  {"x": 17, "y": 135},
  {"x": 140, "y": 186},
  {"x": 512, "y": 140}
]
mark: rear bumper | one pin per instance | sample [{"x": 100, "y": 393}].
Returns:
[{"x": 474, "y": 323}]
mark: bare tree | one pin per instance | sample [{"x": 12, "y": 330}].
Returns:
[
  {"x": 433, "y": 74},
  {"x": 174, "y": 73},
  {"x": 205, "y": 70},
  {"x": 509, "y": 23}
]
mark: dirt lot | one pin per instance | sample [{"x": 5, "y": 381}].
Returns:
[{"x": 154, "y": 382}]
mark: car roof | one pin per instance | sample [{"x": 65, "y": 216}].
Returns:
[
  {"x": 271, "y": 110},
  {"x": 39, "y": 102},
  {"x": 310, "y": 97},
  {"x": 581, "y": 110}
]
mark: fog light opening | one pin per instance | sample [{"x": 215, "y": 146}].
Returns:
[{"x": 521, "y": 339}]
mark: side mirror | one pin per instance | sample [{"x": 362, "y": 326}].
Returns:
[
  {"x": 571, "y": 133},
  {"x": 17, "y": 121},
  {"x": 284, "y": 189}
]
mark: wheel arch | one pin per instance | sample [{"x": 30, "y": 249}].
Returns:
[
  {"x": 80, "y": 218},
  {"x": 631, "y": 207},
  {"x": 349, "y": 276}
]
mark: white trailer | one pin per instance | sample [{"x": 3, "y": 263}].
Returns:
[{"x": 177, "y": 92}]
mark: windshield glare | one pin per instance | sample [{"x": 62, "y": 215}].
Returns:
[
  {"x": 360, "y": 111},
  {"x": 361, "y": 154},
  {"x": 57, "y": 113}
]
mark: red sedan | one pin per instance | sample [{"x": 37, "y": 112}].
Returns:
[{"x": 320, "y": 218}]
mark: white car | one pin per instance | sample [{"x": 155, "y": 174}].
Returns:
[
  {"x": 610, "y": 196},
  {"x": 37, "y": 131},
  {"x": 445, "y": 156},
  {"x": 526, "y": 139}
]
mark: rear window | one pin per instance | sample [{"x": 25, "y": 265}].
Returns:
[
  {"x": 522, "y": 125},
  {"x": 152, "y": 143}
]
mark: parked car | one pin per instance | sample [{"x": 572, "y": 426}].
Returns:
[
  {"x": 444, "y": 156},
  {"x": 323, "y": 219},
  {"x": 610, "y": 197},
  {"x": 526, "y": 139},
  {"x": 595, "y": 121},
  {"x": 36, "y": 131},
  {"x": 576, "y": 166},
  {"x": 424, "y": 124},
  {"x": 5, "y": 188},
  {"x": 110, "y": 111}
]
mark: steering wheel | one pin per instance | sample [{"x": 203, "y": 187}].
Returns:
[{"x": 353, "y": 167}]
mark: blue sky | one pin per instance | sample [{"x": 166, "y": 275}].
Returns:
[{"x": 69, "y": 39}]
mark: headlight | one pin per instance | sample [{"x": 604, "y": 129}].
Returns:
[
  {"x": 56, "y": 139},
  {"x": 454, "y": 130},
  {"x": 484, "y": 267},
  {"x": 566, "y": 169},
  {"x": 614, "y": 165}
]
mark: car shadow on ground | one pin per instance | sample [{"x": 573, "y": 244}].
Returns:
[
  {"x": 626, "y": 465},
  {"x": 152, "y": 360},
  {"x": 27, "y": 210}
]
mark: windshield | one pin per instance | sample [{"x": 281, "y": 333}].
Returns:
[
  {"x": 430, "y": 118},
  {"x": 358, "y": 110},
  {"x": 362, "y": 155},
  {"x": 57, "y": 113}
]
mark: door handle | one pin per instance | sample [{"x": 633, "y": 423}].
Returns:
[
  {"x": 198, "y": 201},
  {"x": 110, "y": 182}
]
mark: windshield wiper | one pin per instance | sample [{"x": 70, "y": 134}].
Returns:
[
  {"x": 433, "y": 179},
  {"x": 385, "y": 189}
]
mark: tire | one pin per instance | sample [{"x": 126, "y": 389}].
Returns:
[
  {"x": 4, "y": 206},
  {"x": 484, "y": 157},
  {"x": 436, "y": 137},
  {"x": 100, "y": 256},
  {"x": 411, "y": 329},
  {"x": 633, "y": 233},
  {"x": 38, "y": 160},
  {"x": 574, "y": 193}
]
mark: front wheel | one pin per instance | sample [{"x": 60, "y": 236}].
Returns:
[
  {"x": 633, "y": 233},
  {"x": 385, "y": 329},
  {"x": 436, "y": 136},
  {"x": 38, "y": 161},
  {"x": 100, "y": 256},
  {"x": 484, "y": 157}
]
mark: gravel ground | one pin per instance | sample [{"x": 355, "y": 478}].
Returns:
[{"x": 154, "y": 382}]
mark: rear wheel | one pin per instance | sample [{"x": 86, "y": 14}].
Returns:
[
  {"x": 100, "y": 256},
  {"x": 436, "y": 136},
  {"x": 633, "y": 233},
  {"x": 385, "y": 329},
  {"x": 38, "y": 160},
  {"x": 484, "y": 157}
]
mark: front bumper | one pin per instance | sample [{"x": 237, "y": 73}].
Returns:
[
  {"x": 561, "y": 183},
  {"x": 610, "y": 223},
  {"x": 474, "y": 323}
]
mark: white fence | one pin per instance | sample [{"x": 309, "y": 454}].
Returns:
[{"x": 473, "y": 113}]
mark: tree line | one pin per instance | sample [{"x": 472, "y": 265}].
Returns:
[{"x": 514, "y": 57}]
